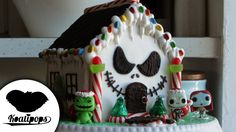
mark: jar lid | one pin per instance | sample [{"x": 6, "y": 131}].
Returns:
[{"x": 193, "y": 75}]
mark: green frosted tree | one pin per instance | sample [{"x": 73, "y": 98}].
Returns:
[
  {"x": 158, "y": 108},
  {"x": 119, "y": 108}
]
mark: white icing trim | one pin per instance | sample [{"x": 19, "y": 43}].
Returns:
[
  {"x": 85, "y": 94},
  {"x": 212, "y": 126}
]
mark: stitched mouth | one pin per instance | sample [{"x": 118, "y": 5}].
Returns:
[
  {"x": 111, "y": 82},
  {"x": 83, "y": 107}
]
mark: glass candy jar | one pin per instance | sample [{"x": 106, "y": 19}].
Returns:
[{"x": 193, "y": 81}]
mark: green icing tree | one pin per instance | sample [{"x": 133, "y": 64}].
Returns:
[
  {"x": 119, "y": 108},
  {"x": 159, "y": 108}
]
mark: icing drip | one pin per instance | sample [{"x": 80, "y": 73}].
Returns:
[
  {"x": 120, "y": 62},
  {"x": 135, "y": 15},
  {"x": 151, "y": 65}
]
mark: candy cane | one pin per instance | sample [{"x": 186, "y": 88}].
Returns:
[
  {"x": 97, "y": 85},
  {"x": 176, "y": 80}
]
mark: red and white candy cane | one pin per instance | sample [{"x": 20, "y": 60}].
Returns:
[
  {"x": 176, "y": 77},
  {"x": 115, "y": 119},
  {"x": 97, "y": 88}
]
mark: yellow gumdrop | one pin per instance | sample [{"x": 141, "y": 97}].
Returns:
[
  {"x": 123, "y": 18},
  {"x": 91, "y": 49},
  {"x": 159, "y": 27}
]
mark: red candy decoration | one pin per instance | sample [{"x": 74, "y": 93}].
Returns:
[
  {"x": 97, "y": 42},
  {"x": 166, "y": 36},
  {"x": 96, "y": 60},
  {"x": 181, "y": 52},
  {"x": 132, "y": 10},
  {"x": 148, "y": 12},
  {"x": 176, "y": 61},
  {"x": 76, "y": 51},
  {"x": 110, "y": 29}
]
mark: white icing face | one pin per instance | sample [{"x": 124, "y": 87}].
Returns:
[
  {"x": 201, "y": 99},
  {"x": 177, "y": 98},
  {"x": 136, "y": 51}
]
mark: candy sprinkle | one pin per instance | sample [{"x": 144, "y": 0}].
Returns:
[
  {"x": 166, "y": 36},
  {"x": 172, "y": 44},
  {"x": 132, "y": 10},
  {"x": 81, "y": 51},
  {"x": 71, "y": 51},
  {"x": 141, "y": 9},
  {"x": 159, "y": 28},
  {"x": 91, "y": 49},
  {"x": 110, "y": 29},
  {"x": 181, "y": 52},
  {"x": 104, "y": 36},
  {"x": 123, "y": 18},
  {"x": 117, "y": 24},
  {"x": 153, "y": 20},
  {"x": 148, "y": 12},
  {"x": 76, "y": 51},
  {"x": 97, "y": 42}
]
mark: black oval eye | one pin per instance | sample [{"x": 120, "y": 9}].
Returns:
[
  {"x": 171, "y": 101},
  {"x": 183, "y": 101},
  {"x": 120, "y": 62},
  {"x": 207, "y": 98},
  {"x": 151, "y": 65},
  {"x": 194, "y": 99}
]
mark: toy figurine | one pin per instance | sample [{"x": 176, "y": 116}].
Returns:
[
  {"x": 84, "y": 105},
  {"x": 202, "y": 102},
  {"x": 178, "y": 104}
]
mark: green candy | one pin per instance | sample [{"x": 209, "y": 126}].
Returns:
[
  {"x": 119, "y": 108},
  {"x": 141, "y": 9},
  {"x": 71, "y": 51},
  {"x": 176, "y": 68},
  {"x": 172, "y": 44},
  {"x": 84, "y": 107},
  {"x": 159, "y": 108},
  {"x": 104, "y": 36},
  {"x": 97, "y": 68}
]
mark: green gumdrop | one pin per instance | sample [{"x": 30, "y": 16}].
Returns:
[
  {"x": 141, "y": 9},
  {"x": 176, "y": 68},
  {"x": 97, "y": 68},
  {"x": 172, "y": 44},
  {"x": 158, "y": 108},
  {"x": 104, "y": 37},
  {"x": 119, "y": 108}
]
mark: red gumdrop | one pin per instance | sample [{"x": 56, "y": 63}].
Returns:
[
  {"x": 96, "y": 60},
  {"x": 166, "y": 36},
  {"x": 97, "y": 42},
  {"x": 176, "y": 61},
  {"x": 132, "y": 10}
]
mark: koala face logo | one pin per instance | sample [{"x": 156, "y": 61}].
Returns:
[{"x": 26, "y": 102}]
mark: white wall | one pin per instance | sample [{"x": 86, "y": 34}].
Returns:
[{"x": 229, "y": 67}]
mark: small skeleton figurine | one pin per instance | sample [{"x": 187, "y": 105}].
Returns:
[
  {"x": 202, "y": 102},
  {"x": 178, "y": 104}
]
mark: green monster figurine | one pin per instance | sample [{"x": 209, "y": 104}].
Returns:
[{"x": 84, "y": 105}]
